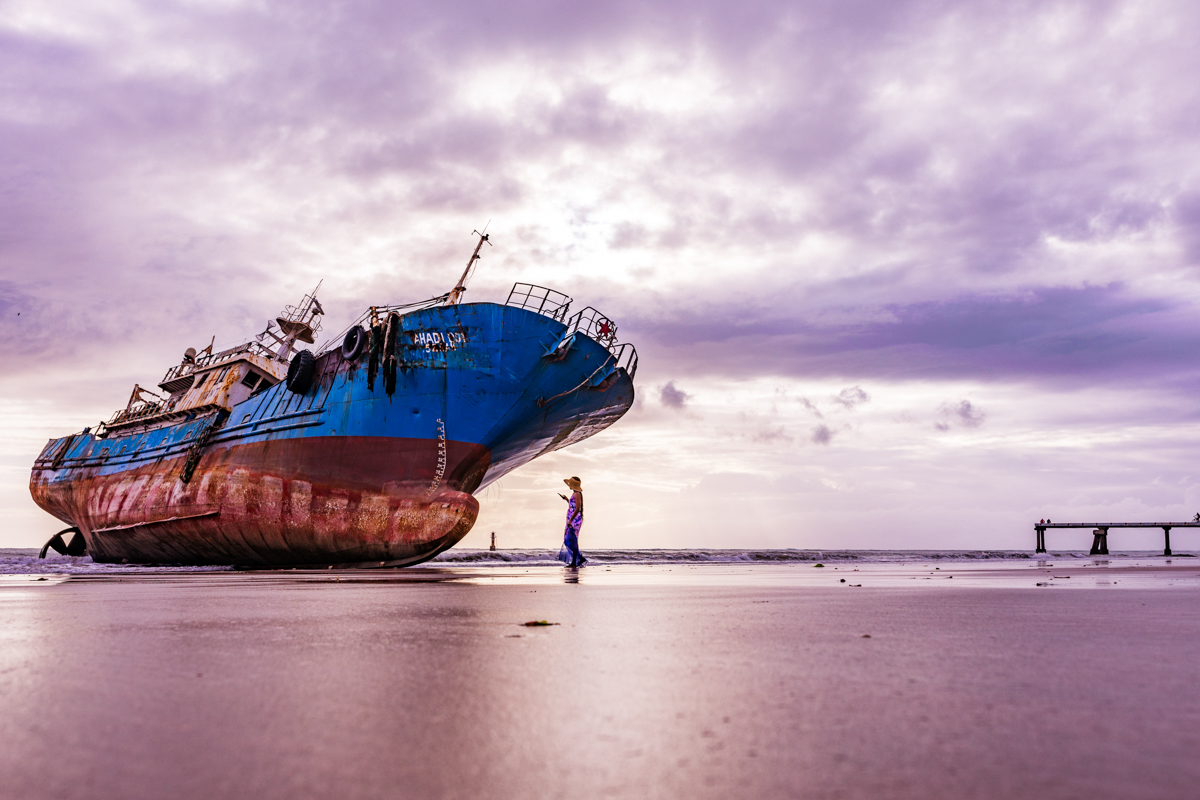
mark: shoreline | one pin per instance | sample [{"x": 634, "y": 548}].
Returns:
[{"x": 1095, "y": 573}]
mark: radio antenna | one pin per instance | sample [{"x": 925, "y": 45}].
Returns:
[{"x": 455, "y": 296}]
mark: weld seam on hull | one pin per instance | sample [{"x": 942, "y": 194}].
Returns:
[
  {"x": 244, "y": 433},
  {"x": 254, "y": 423},
  {"x": 177, "y": 448},
  {"x": 156, "y": 522}
]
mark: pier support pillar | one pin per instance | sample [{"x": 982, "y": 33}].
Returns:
[
  {"x": 1166, "y": 540},
  {"x": 1041, "y": 539},
  {"x": 1100, "y": 542}
]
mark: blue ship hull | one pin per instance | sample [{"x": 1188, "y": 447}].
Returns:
[{"x": 360, "y": 468}]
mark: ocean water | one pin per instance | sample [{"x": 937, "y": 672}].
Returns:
[{"x": 25, "y": 561}]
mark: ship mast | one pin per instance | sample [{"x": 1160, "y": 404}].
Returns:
[
  {"x": 296, "y": 323},
  {"x": 455, "y": 296}
]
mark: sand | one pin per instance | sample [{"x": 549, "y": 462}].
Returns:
[{"x": 708, "y": 682}]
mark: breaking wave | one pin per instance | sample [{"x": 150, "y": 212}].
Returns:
[
  {"x": 742, "y": 556},
  {"x": 25, "y": 561}
]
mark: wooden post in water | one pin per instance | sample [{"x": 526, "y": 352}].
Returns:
[{"x": 1166, "y": 540}]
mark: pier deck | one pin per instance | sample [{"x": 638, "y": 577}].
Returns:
[{"x": 1100, "y": 536}]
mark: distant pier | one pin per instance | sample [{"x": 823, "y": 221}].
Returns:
[{"x": 1100, "y": 532}]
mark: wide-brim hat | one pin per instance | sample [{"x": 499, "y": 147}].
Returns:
[{"x": 574, "y": 484}]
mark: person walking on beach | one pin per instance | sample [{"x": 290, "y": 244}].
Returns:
[{"x": 574, "y": 521}]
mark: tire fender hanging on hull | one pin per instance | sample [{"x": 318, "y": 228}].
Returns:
[{"x": 389, "y": 353}]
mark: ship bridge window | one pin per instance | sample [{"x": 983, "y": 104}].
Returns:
[
  {"x": 201, "y": 380},
  {"x": 251, "y": 379}
]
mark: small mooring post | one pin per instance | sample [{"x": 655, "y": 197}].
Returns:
[
  {"x": 1100, "y": 542},
  {"x": 1166, "y": 540},
  {"x": 493, "y": 547}
]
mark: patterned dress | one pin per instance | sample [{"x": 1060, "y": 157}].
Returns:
[{"x": 571, "y": 533}]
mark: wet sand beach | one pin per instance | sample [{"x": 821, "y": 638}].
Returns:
[{"x": 655, "y": 681}]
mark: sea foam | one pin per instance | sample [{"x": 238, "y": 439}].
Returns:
[{"x": 25, "y": 561}]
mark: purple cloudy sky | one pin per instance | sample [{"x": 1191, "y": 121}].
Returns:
[{"x": 902, "y": 274}]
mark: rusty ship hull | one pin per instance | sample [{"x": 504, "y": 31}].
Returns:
[{"x": 375, "y": 463}]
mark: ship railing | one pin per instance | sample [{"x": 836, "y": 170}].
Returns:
[
  {"x": 600, "y": 328},
  {"x": 593, "y": 324},
  {"x": 139, "y": 410},
  {"x": 626, "y": 357},
  {"x": 207, "y": 360},
  {"x": 539, "y": 300},
  {"x": 377, "y": 315}
]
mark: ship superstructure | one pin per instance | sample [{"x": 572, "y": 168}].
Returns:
[{"x": 366, "y": 451}]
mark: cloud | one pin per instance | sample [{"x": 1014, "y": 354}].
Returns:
[
  {"x": 672, "y": 397},
  {"x": 811, "y": 407},
  {"x": 935, "y": 197},
  {"x": 771, "y": 435},
  {"x": 851, "y": 396},
  {"x": 962, "y": 413},
  {"x": 935, "y": 203},
  {"x": 1048, "y": 334}
]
